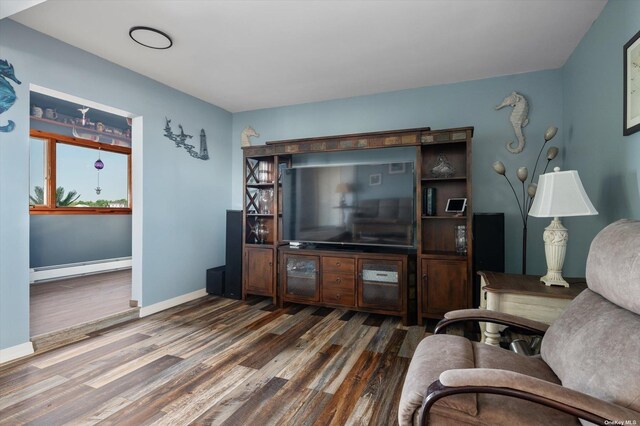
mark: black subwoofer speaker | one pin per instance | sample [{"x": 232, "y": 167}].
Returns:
[
  {"x": 215, "y": 280},
  {"x": 488, "y": 247}
]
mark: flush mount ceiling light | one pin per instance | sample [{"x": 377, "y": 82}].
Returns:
[{"x": 150, "y": 37}]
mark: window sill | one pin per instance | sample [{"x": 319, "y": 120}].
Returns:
[{"x": 78, "y": 210}]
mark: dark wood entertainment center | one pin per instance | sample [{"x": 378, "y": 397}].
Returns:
[{"x": 431, "y": 279}]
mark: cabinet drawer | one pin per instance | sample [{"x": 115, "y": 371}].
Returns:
[
  {"x": 345, "y": 282},
  {"x": 338, "y": 265},
  {"x": 338, "y": 295}
]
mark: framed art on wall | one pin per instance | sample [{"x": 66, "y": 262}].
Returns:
[
  {"x": 395, "y": 168},
  {"x": 631, "y": 97}
]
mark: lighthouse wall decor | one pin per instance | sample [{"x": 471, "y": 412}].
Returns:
[{"x": 181, "y": 141}]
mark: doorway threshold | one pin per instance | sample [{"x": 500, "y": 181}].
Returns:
[{"x": 55, "y": 339}]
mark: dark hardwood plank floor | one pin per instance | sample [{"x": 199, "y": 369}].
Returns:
[
  {"x": 219, "y": 361},
  {"x": 59, "y": 304}
]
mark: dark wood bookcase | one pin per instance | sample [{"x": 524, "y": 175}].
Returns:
[
  {"x": 431, "y": 281},
  {"x": 444, "y": 272},
  {"x": 262, "y": 220}
]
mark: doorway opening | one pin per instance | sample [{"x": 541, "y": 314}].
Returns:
[{"x": 81, "y": 203}]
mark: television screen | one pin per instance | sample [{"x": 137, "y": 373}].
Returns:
[{"x": 370, "y": 204}]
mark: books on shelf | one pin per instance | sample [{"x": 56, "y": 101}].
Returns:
[{"x": 429, "y": 201}]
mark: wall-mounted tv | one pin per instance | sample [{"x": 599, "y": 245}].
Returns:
[{"x": 370, "y": 204}]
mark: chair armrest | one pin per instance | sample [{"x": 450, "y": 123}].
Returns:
[
  {"x": 485, "y": 315},
  {"x": 503, "y": 382}
]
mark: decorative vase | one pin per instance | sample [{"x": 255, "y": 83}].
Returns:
[
  {"x": 261, "y": 231},
  {"x": 265, "y": 201},
  {"x": 265, "y": 172},
  {"x": 443, "y": 168},
  {"x": 461, "y": 239}
]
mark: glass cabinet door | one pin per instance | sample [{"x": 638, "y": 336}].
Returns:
[
  {"x": 301, "y": 277},
  {"x": 380, "y": 284}
]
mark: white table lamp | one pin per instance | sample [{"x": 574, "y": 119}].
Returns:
[{"x": 559, "y": 194}]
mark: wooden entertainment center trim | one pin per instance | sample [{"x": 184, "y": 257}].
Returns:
[
  {"x": 443, "y": 274},
  {"x": 370, "y": 282}
]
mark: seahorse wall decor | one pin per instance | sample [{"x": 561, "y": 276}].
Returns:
[
  {"x": 518, "y": 119},
  {"x": 7, "y": 94},
  {"x": 246, "y": 134},
  {"x": 181, "y": 141}
]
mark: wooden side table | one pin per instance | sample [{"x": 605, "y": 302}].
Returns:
[{"x": 525, "y": 296}]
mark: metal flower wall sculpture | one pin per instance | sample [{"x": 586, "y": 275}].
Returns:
[{"x": 528, "y": 193}]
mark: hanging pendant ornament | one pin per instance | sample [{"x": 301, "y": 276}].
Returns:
[
  {"x": 99, "y": 165},
  {"x": 84, "y": 110}
]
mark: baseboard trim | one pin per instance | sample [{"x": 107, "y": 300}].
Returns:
[
  {"x": 170, "y": 303},
  {"x": 15, "y": 352}
]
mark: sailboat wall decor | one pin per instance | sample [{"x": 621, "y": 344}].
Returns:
[{"x": 181, "y": 141}]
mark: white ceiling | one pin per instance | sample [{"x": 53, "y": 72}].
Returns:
[
  {"x": 10, "y": 7},
  {"x": 245, "y": 55}
]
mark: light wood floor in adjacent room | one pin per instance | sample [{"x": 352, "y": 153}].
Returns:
[
  {"x": 63, "y": 303},
  {"x": 220, "y": 361}
]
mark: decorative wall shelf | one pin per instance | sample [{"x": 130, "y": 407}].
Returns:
[{"x": 119, "y": 139}]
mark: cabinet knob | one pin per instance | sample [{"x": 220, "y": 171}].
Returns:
[
  {"x": 338, "y": 263},
  {"x": 338, "y": 296},
  {"x": 424, "y": 277},
  {"x": 338, "y": 280}
]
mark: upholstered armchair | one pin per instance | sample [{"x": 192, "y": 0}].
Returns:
[{"x": 588, "y": 368}]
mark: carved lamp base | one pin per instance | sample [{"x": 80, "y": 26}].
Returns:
[{"x": 555, "y": 247}]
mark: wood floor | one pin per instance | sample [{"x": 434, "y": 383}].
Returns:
[
  {"x": 220, "y": 361},
  {"x": 57, "y": 305}
]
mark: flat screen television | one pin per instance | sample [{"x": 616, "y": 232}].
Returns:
[{"x": 360, "y": 204}]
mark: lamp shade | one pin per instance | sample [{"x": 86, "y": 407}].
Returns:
[
  {"x": 343, "y": 188},
  {"x": 561, "y": 194}
]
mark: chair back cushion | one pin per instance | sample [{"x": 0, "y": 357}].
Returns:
[
  {"x": 594, "y": 347},
  {"x": 613, "y": 265}
]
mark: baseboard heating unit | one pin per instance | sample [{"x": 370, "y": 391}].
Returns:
[{"x": 70, "y": 270}]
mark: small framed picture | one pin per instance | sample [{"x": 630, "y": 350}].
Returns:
[
  {"x": 396, "y": 168},
  {"x": 375, "y": 179},
  {"x": 631, "y": 102}
]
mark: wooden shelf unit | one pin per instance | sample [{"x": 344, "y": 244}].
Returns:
[
  {"x": 369, "y": 282},
  {"x": 261, "y": 233},
  {"x": 443, "y": 276}
]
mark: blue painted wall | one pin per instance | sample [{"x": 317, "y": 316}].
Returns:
[
  {"x": 607, "y": 161},
  {"x": 454, "y": 105},
  {"x": 62, "y": 239},
  {"x": 183, "y": 199}
]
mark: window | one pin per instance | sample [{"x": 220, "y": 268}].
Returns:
[
  {"x": 64, "y": 178},
  {"x": 37, "y": 175}
]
